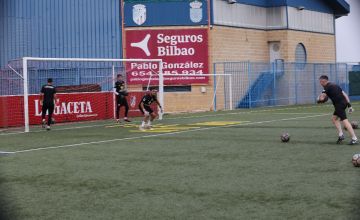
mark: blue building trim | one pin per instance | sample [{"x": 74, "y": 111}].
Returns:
[
  {"x": 313, "y": 5},
  {"x": 337, "y": 7},
  {"x": 341, "y": 7},
  {"x": 211, "y": 12}
]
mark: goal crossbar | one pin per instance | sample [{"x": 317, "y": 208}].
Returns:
[
  {"x": 25, "y": 61},
  {"x": 159, "y": 71},
  {"x": 89, "y": 59}
]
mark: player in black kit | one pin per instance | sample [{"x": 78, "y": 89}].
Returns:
[
  {"x": 340, "y": 101},
  {"x": 145, "y": 108},
  {"x": 47, "y": 100},
  {"x": 121, "y": 94}
]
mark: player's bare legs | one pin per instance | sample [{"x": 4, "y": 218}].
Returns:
[
  {"x": 336, "y": 122},
  {"x": 151, "y": 119},
  {"x": 145, "y": 121},
  {"x": 347, "y": 126},
  {"x": 350, "y": 129}
]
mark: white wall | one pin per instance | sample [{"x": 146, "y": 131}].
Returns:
[
  {"x": 241, "y": 15},
  {"x": 310, "y": 21},
  {"x": 348, "y": 34}
]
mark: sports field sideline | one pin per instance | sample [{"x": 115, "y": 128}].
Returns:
[{"x": 223, "y": 165}]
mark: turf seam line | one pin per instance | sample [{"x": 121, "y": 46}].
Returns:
[{"x": 162, "y": 134}]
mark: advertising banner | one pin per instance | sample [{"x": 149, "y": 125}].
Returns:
[
  {"x": 183, "y": 51},
  {"x": 70, "y": 107}
]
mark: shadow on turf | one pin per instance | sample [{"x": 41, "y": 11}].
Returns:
[
  {"x": 355, "y": 215},
  {"x": 6, "y": 208}
]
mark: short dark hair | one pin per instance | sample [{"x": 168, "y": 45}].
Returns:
[
  {"x": 49, "y": 80},
  {"x": 324, "y": 77},
  {"x": 119, "y": 75}
]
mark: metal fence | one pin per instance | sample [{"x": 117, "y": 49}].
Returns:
[
  {"x": 252, "y": 84},
  {"x": 63, "y": 74},
  {"x": 256, "y": 84}
]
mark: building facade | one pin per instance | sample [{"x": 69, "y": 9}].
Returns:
[
  {"x": 300, "y": 31},
  {"x": 190, "y": 36}
]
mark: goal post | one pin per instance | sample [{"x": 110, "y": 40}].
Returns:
[
  {"x": 26, "y": 95},
  {"x": 83, "y": 84},
  {"x": 85, "y": 89},
  {"x": 213, "y": 96}
]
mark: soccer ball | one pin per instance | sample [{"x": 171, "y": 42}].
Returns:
[
  {"x": 285, "y": 137},
  {"x": 356, "y": 160},
  {"x": 354, "y": 124},
  {"x": 322, "y": 98}
]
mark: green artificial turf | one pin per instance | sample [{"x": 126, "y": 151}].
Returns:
[{"x": 224, "y": 165}]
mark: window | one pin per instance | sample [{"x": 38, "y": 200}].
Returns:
[{"x": 300, "y": 56}]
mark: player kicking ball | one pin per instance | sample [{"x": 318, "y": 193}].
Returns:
[
  {"x": 148, "y": 112},
  {"x": 340, "y": 101},
  {"x": 47, "y": 100}
]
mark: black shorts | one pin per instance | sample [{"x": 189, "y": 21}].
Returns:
[
  {"x": 340, "y": 111},
  {"x": 122, "y": 102},
  {"x": 147, "y": 108}
]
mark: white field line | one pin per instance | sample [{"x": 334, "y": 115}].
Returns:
[
  {"x": 6, "y": 152},
  {"x": 158, "y": 135},
  {"x": 292, "y": 113},
  {"x": 185, "y": 117}
]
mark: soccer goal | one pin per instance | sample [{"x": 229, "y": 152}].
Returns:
[
  {"x": 216, "y": 94},
  {"x": 85, "y": 89}
]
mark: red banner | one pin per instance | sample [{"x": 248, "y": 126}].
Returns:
[
  {"x": 71, "y": 107},
  {"x": 184, "y": 51}
]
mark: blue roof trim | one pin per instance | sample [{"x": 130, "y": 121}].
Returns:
[
  {"x": 337, "y": 7},
  {"x": 341, "y": 7}
]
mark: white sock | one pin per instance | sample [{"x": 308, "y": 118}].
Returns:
[
  {"x": 341, "y": 134},
  {"x": 142, "y": 123},
  {"x": 149, "y": 123},
  {"x": 354, "y": 138}
]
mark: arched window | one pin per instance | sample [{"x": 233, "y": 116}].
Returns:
[{"x": 300, "y": 56}]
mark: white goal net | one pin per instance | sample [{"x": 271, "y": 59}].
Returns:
[{"x": 85, "y": 89}]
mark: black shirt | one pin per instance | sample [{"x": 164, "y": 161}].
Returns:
[
  {"x": 49, "y": 91},
  {"x": 335, "y": 93},
  {"x": 120, "y": 88},
  {"x": 148, "y": 99}
]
